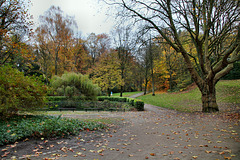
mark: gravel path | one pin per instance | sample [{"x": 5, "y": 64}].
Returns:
[{"x": 156, "y": 133}]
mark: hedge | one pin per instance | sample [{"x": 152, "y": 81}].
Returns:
[
  {"x": 116, "y": 99},
  {"x": 55, "y": 102},
  {"x": 64, "y": 98},
  {"x": 138, "y": 104}
]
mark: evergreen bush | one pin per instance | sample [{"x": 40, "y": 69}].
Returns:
[{"x": 139, "y": 105}]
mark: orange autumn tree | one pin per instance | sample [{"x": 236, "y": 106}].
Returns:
[
  {"x": 81, "y": 58},
  {"x": 170, "y": 72},
  {"x": 55, "y": 38},
  {"x": 15, "y": 22}
]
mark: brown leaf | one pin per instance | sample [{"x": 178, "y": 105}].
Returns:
[
  {"x": 208, "y": 151},
  {"x": 3, "y": 150},
  {"x": 5, "y": 154},
  {"x": 172, "y": 152},
  {"x": 222, "y": 152},
  {"x": 152, "y": 154}
]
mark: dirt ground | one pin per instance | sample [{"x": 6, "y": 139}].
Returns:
[{"x": 156, "y": 133}]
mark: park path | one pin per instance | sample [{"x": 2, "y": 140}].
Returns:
[
  {"x": 137, "y": 95},
  {"x": 158, "y": 134},
  {"x": 155, "y": 133}
]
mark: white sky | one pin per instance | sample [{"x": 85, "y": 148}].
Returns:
[{"x": 90, "y": 15}]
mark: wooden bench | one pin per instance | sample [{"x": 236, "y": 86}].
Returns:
[
  {"x": 92, "y": 109},
  {"x": 60, "y": 109},
  {"x": 117, "y": 109}
]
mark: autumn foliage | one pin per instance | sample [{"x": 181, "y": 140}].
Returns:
[{"x": 19, "y": 92}]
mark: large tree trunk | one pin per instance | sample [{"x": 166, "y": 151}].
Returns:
[{"x": 209, "y": 103}]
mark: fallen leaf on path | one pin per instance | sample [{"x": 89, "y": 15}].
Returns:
[
  {"x": 3, "y": 150},
  {"x": 172, "y": 152},
  {"x": 222, "y": 152},
  {"x": 64, "y": 149},
  {"x": 5, "y": 154},
  {"x": 79, "y": 153},
  {"x": 152, "y": 154}
]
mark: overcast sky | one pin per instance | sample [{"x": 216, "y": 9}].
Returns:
[{"x": 89, "y": 14}]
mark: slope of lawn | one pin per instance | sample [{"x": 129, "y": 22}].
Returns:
[{"x": 190, "y": 101}]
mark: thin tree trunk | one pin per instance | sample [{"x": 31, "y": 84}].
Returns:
[
  {"x": 151, "y": 62},
  {"x": 145, "y": 88},
  {"x": 108, "y": 92},
  {"x": 56, "y": 61},
  {"x": 122, "y": 76},
  {"x": 121, "y": 92},
  {"x": 153, "y": 87}
]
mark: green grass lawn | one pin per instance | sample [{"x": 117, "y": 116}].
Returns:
[
  {"x": 227, "y": 92},
  {"x": 126, "y": 94}
]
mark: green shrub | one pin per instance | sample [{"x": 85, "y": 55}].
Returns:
[
  {"x": 131, "y": 101},
  {"x": 73, "y": 84},
  {"x": 19, "y": 92},
  {"x": 139, "y": 105},
  {"x": 57, "y": 98},
  {"x": 22, "y": 127},
  {"x": 116, "y": 99},
  {"x": 64, "y": 98},
  {"x": 54, "y": 105}
]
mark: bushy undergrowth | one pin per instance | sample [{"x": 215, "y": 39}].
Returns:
[
  {"x": 19, "y": 92},
  {"x": 22, "y": 127}
]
